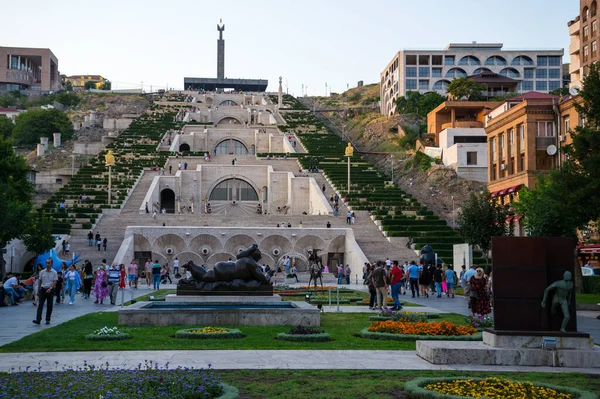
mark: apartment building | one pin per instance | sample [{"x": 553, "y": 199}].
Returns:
[
  {"x": 79, "y": 81},
  {"x": 583, "y": 46},
  {"x": 33, "y": 69},
  {"x": 425, "y": 71}
]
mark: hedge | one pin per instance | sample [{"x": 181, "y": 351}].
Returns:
[
  {"x": 365, "y": 333},
  {"x": 591, "y": 285},
  {"x": 230, "y": 334},
  {"x": 304, "y": 337},
  {"x": 117, "y": 337},
  {"x": 385, "y": 318},
  {"x": 414, "y": 388}
]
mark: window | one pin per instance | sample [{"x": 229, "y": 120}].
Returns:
[
  {"x": 510, "y": 73},
  {"x": 585, "y": 14},
  {"x": 522, "y": 60},
  {"x": 554, "y": 84},
  {"x": 586, "y": 33},
  {"x": 501, "y": 140},
  {"x": 541, "y": 73},
  {"x": 423, "y": 60},
  {"x": 411, "y": 72},
  {"x": 526, "y": 85},
  {"x": 436, "y": 72},
  {"x": 449, "y": 60},
  {"x": 545, "y": 129},
  {"x": 469, "y": 60},
  {"x": 440, "y": 85},
  {"x": 542, "y": 61},
  {"x": 521, "y": 130},
  {"x": 554, "y": 73},
  {"x": 593, "y": 8},
  {"x": 586, "y": 53},
  {"x": 594, "y": 49},
  {"x": 594, "y": 28},
  {"x": 471, "y": 158},
  {"x": 436, "y": 59},
  {"x": 567, "y": 124},
  {"x": 495, "y": 60},
  {"x": 423, "y": 72},
  {"x": 411, "y": 84},
  {"x": 528, "y": 73},
  {"x": 494, "y": 149},
  {"x": 554, "y": 60},
  {"x": 479, "y": 71},
  {"x": 233, "y": 190},
  {"x": 423, "y": 84},
  {"x": 511, "y": 138},
  {"x": 541, "y": 85},
  {"x": 14, "y": 62},
  {"x": 456, "y": 73},
  {"x": 411, "y": 60}
]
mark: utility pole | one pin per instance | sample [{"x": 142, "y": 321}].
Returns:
[{"x": 393, "y": 170}]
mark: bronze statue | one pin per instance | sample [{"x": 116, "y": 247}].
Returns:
[
  {"x": 315, "y": 267},
  {"x": 244, "y": 274},
  {"x": 563, "y": 290}
]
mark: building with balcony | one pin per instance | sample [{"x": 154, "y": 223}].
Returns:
[
  {"x": 460, "y": 134},
  {"x": 425, "y": 71},
  {"x": 79, "y": 81},
  {"x": 583, "y": 46},
  {"x": 33, "y": 69}
]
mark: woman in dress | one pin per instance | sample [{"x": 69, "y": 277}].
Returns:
[
  {"x": 479, "y": 298},
  {"x": 101, "y": 285},
  {"x": 36, "y": 295}
]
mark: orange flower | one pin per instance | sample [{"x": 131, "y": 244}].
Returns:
[{"x": 421, "y": 328}]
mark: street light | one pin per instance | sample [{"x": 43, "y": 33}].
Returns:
[
  {"x": 453, "y": 221},
  {"x": 393, "y": 169},
  {"x": 349, "y": 152},
  {"x": 109, "y": 160}
]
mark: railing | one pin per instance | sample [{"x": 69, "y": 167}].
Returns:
[{"x": 541, "y": 143}]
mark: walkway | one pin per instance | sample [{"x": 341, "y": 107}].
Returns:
[{"x": 255, "y": 359}]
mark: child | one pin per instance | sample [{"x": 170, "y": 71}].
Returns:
[{"x": 60, "y": 295}]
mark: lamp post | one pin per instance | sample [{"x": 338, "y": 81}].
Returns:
[
  {"x": 72, "y": 165},
  {"x": 349, "y": 152},
  {"x": 393, "y": 169},
  {"x": 453, "y": 221},
  {"x": 109, "y": 160}
]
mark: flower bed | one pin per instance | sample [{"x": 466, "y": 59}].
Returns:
[
  {"x": 209, "y": 333},
  {"x": 149, "y": 380},
  {"x": 107, "y": 334},
  {"x": 403, "y": 316},
  {"x": 490, "y": 388},
  {"x": 304, "y": 334},
  {"x": 480, "y": 322},
  {"x": 407, "y": 331}
]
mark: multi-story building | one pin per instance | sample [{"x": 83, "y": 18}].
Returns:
[
  {"x": 79, "y": 81},
  {"x": 28, "y": 69},
  {"x": 583, "y": 47},
  {"x": 425, "y": 71}
]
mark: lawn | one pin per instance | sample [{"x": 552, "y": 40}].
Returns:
[
  {"x": 69, "y": 336},
  {"x": 371, "y": 384},
  {"x": 588, "y": 299}
]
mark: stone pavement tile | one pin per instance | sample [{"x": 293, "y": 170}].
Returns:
[{"x": 255, "y": 359}]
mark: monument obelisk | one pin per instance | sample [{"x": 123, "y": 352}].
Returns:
[{"x": 221, "y": 51}]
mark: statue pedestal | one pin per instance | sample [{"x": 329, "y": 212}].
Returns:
[
  {"x": 533, "y": 339},
  {"x": 222, "y": 299}
]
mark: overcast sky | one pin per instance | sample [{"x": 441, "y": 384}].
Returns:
[{"x": 310, "y": 42}]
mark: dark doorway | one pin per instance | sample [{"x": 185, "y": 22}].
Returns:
[
  {"x": 184, "y": 147},
  {"x": 167, "y": 200}
]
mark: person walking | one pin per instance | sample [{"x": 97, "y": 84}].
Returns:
[
  {"x": 349, "y": 217},
  {"x": 340, "y": 271},
  {"x": 46, "y": 284},
  {"x": 176, "y": 267},
  {"x": 98, "y": 244},
  {"x": 90, "y": 237},
  {"x": 413, "y": 275},
  {"x": 104, "y": 243},
  {"x": 58, "y": 289},
  {"x": 113, "y": 283},
  {"x": 156, "y": 269},
  {"x": 438, "y": 277},
  {"x": 73, "y": 283},
  {"x": 461, "y": 276},
  {"x": 60, "y": 293},
  {"x": 396, "y": 276},
  {"x": 479, "y": 298},
  {"x": 371, "y": 286},
  {"x": 467, "y": 277},
  {"x": 36, "y": 293},
  {"x": 148, "y": 272},
  {"x": 381, "y": 285},
  {"x": 88, "y": 278},
  {"x": 348, "y": 274},
  {"x": 424, "y": 280},
  {"x": 450, "y": 281},
  {"x": 101, "y": 284},
  {"x": 132, "y": 273},
  {"x": 293, "y": 270}
]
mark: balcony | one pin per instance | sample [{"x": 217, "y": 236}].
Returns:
[
  {"x": 574, "y": 28},
  {"x": 541, "y": 143},
  {"x": 574, "y": 46},
  {"x": 463, "y": 125},
  {"x": 575, "y": 64}
]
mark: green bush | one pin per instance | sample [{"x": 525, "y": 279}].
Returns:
[
  {"x": 323, "y": 337},
  {"x": 116, "y": 337},
  {"x": 591, "y": 285},
  {"x": 365, "y": 333},
  {"x": 230, "y": 334}
]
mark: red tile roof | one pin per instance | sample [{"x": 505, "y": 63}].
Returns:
[
  {"x": 533, "y": 95},
  {"x": 7, "y": 110}
]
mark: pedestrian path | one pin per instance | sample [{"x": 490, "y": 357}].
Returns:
[{"x": 253, "y": 360}]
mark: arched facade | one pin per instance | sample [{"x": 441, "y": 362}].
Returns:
[
  {"x": 456, "y": 73},
  {"x": 228, "y": 103},
  {"x": 183, "y": 147},
  {"x": 510, "y": 73},
  {"x": 233, "y": 189},
  {"x": 479, "y": 71},
  {"x": 441, "y": 85},
  {"x": 231, "y": 146},
  {"x": 469, "y": 60},
  {"x": 167, "y": 200},
  {"x": 496, "y": 60},
  {"x": 522, "y": 60},
  {"x": 228, "y": 119}
]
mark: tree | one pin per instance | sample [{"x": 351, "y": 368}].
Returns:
[
  {"x": 6, "y": 127},
  {"x": 90, "y": 84},
  {"x": 38, "y": 236},
  {"x": 69, "y": 86},
  {"x": 105, "y": 85},
  {"x": 15, "y": 196},
  {"x": 416, "y": 103},
  {"x": 481, "y": 219},
  {"x": 68, "y": 99},
  {"x": 561, "y": 91},
  {"x": 36, "y": 123},
  {"x": 465, "y": 87}
]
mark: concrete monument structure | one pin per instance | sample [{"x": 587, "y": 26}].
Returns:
[{"x": 221, "y": 51}]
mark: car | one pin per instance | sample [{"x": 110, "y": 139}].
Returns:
[{"x": 590, "y": 271}]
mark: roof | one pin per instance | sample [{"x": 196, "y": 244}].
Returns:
[
  {"x": 7, "y": 110},
  {"x": 533, "y": 95},
  {"x": 491, "y": 77},
  {"x": 89, "y": 77}
]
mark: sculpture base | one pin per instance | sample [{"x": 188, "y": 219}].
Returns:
[
  {"x": 223, "y": 299},
  {"x": 221, "y": 288},
  {"x": 533, "y": 339}
]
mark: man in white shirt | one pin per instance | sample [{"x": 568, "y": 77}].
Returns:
[
  {"x": 13, "y": 290},
  {"x": 176, "y": 266},
  {"x": 47, "y": 282}
]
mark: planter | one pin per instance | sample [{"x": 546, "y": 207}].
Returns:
[
  {"x": 112, "y": 337},
  {"x": 323, "y": 337},
  {"x": 229, "y": 334},
  {"x": 415, "y": 389},
  {"x": 365, "y": 333}
]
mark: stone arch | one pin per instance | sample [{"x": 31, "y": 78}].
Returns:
[
  {"x": 218, "y": 257},
  {"x": 183, "y": 147},
  {"x": 206, "y": 245},
  {"x": 141, "y": 243},
  {"x": 266, "y": 259},
  {"x": 225, "y": 143},
  {"x": 479, "y": 71},
  {"x": 172, "y": 241},
  {"x": 237, "y": 242},
  {"x": 310, "y": 242},
  {"x": 338, "y": 244},
  {"x": 229, "y": 119},
  {"x": 299, "y": 260},
  {"x": 510, "y": 73},
  {"x": 229, "y": 177},
  {"x": 159, "y": 257},
  {"x": 440, "y": 85},
  {"x": 275, "y": 246},
  {"x": 456, "y": 73},
  {"x": 167, "y": 200},
  {"x": 469, "y": 60},
  {"x": 228, "y": 103},
  {"x": 186, "y": 256}
]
